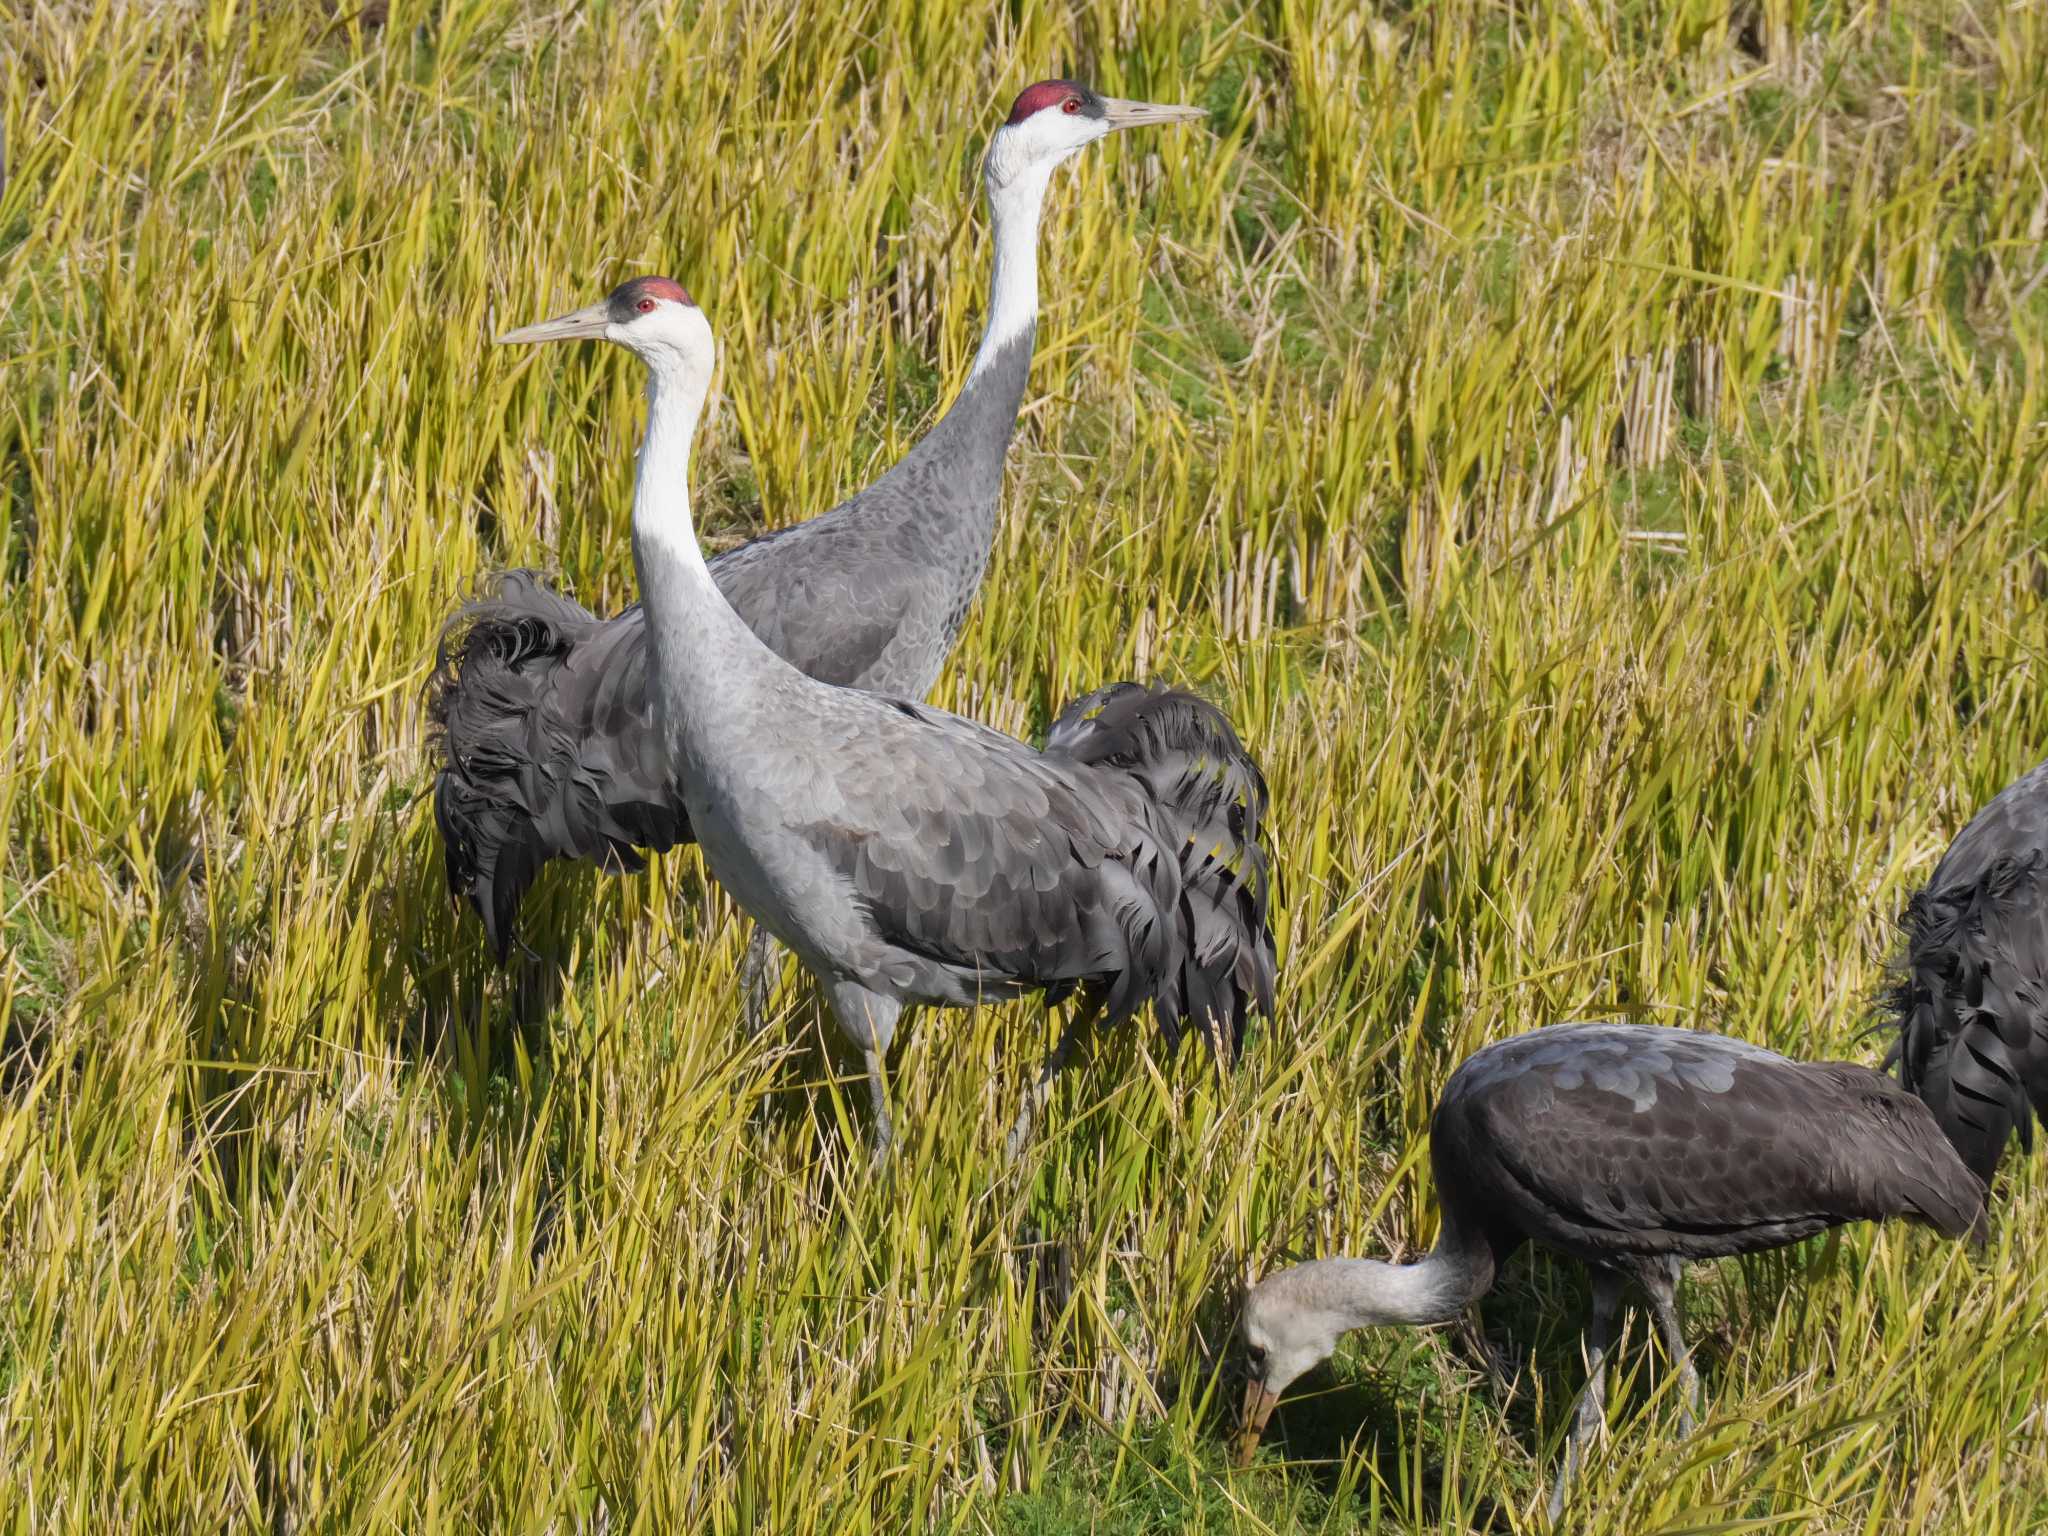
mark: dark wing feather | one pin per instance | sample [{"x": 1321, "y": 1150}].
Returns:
[
  {"x": 1971, "y": 1000},
  {"x": 548, "y": 746},
  {"x": 1125, "y": 859},
  {"x": 1612, "y": 1141},
  {"x": 1211, "y": 797}
]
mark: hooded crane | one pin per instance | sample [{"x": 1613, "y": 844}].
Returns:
[
  {"x": 1632, "y": 1147},
  {"x": 1972, "y": 995},
  {"x": 546, "y": 712},
  {"x": 911, "y": 856}
]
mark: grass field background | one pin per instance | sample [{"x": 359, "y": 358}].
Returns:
[{"x": 1594, "y": 451}]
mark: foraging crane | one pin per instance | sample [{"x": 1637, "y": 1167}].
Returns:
[
  {"x": 1972, "y": 997},
  {"x": 546, "y": 712},
  {"x": 1632, "y": 1147},
  {"x": 911, "y": 856}
]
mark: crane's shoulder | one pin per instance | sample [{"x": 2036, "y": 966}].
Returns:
[
  {"x": 2013, "y": 825},
  {"x": 839, "y": 602},
  {"x": 1631, "y": 1062}
]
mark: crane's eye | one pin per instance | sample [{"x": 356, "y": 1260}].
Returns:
[
  {"x": 1255, "y": 1357},
  {"x": 645, "y": 306},
  {"x": 1071, "y": 105}
]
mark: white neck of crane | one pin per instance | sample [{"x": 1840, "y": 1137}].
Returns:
[
  {"x": 661, "y": 488},
  {"x": 1015, "y": 204},
  {"x": 706, "y": 658}
]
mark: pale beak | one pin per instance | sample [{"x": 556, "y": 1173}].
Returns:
[
  {"x": 1258, "y": 1407},
  {"x": 1135, "y": 114},
  {"x": 588, "y": 321}
]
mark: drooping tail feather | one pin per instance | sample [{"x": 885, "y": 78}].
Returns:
[
  {"x": 1208, "y": 789},
  {"x": 548, "y": 746},
  {"x": 1972, "y": 1006}
]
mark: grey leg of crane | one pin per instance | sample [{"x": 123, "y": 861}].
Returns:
[
  {"x": 869, "y": 1019},
  {"x": 1592, "y": 1408},
  {"x": 757, "y": 979},
  {"x": 1041, "y": 1090},
  {"x": 882, "y": 1139},
  {"x": 1660, "y": 1281}
]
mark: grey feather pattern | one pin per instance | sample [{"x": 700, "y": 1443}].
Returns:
[
  {"x": 544, "y": 713},
  {"x": 1124, "y": 860},
  {"x": 1186, "y": 756},
  {"x": 1970, "y": 1004},
  {"x": 1617, "y": 1142}
]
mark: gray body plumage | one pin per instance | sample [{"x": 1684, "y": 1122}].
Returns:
[
  {"x": 546, "y": 712},
  {"x": 907, "y": 855},
  {"x": 1970, "y": 1004},
  {"x": 1620, "y": 1143}
]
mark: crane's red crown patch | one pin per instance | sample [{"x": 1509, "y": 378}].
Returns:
[
  {"x": 1052, "y": 93},
  {"x": 626, "y": 300}
]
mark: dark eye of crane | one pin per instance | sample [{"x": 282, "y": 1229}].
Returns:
[
  {"x": 644, "y": 306},
  {"x": 1071, "y": 105},
  {"x": 1255, "y": 1357}
]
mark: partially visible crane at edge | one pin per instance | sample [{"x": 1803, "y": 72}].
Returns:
[{"x": 1971, "y": 1001}]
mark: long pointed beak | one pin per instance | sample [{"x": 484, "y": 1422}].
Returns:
[
  {"x": 588, "y": 321},
  {"x": 1135, "y": 114},
  {"x": 1258, "y": 1407}
]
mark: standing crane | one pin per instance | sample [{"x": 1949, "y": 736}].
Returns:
[
  {"x": 911, "y": 856},
  {"x": 1972, "y": 995},
  {"x": 1632, "y": 1147},
  {"x": 546, "y": 713}
]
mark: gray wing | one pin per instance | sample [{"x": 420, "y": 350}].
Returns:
[
  {"x": 835, "y": 598},
  {"x": 1007, "y": 869},
  {"x": 1610, "y": 1141},
  {"x": 1971, "y": 998}
]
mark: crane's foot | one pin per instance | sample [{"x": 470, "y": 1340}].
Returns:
[{"x": 1503, "y": 1361}]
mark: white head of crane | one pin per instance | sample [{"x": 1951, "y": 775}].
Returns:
[
  {"x": 1050, "y": 122},
  {"x": 655, "y": 319},
  {"x": 1056, "y": 119},
  {"x": 652, "y": 316}
]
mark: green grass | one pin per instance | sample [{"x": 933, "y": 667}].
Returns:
[{"x": 1600, "y": 472}]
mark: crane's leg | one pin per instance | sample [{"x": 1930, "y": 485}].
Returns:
[
  {"x": 1591, "y": 1412},
  {"x": 869, "y": 1019},
  {"x": 757, "y": 979},
  {"x": 1041, "y": 1090},
  {"x": 1660, "y": 1281}
]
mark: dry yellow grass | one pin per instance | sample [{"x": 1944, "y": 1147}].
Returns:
[{"x": 1599, "y": 469}]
